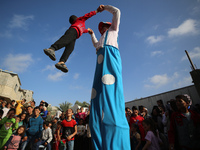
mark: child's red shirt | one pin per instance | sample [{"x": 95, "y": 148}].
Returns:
[
  {"x": 138, "y": 120},
  {"x": 68, "y": 128},
  {"x": 79, "y": 24}
]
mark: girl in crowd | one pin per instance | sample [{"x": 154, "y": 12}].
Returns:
[
  {"x": 135, "y": 137},
  {"x": 22, "y": 117},
  {"x": 57, "y": 136},
  {"x": 14, "y": 140},
  {"x": 152, "y": 137}
]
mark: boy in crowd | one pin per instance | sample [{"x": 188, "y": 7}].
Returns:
[
  {"x": 184, "y": 132},
  {"x": 6, "y": 109},
  {"x": 29, "y": 114},
  {"x": 69, "y": 130},
  {"x": 137, "y": 119},
  {"x": 68, "y": 40},
  {"x": 34, "y": 129},
  {"x": 20, "y": 104},
  {"x": 46, "y": 137},
  {"x": 3, "y": 105},
  {"x": 13, "y": 103}
]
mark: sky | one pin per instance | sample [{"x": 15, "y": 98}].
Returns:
[{"x": 153, "y": 37}]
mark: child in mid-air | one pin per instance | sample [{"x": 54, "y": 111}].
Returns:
[{"x": 68, "y": 40}]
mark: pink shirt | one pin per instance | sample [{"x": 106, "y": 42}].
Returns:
[
  {"x": 82, "y": 115},
  {"x": 154, "y": 141}
]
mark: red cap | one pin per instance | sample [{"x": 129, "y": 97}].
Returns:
[{"x": 101, "y": 24}]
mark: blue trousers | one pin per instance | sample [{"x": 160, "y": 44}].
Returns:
[
  {"x": 68, "y": 145},
  {"x": 31, "y": 140},
  {"x": 108, "y": 123}
]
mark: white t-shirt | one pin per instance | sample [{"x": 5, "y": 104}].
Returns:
[{"x": 5, "y": 111}]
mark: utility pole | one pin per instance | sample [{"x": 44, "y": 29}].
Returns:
[{"x": 195, "y": 74}]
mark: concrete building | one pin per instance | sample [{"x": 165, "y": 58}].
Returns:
[
  {"x": 150, "y": 101},
  {"x": 10, "y": 87}
]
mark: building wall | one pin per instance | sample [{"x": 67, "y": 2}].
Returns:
[
  {"x": 10, "y": 87},
  {"x": 150, "y": 101}
]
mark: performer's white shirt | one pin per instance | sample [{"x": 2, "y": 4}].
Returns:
[{"x": 112, "y": 37}]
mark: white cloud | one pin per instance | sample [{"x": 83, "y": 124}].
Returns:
[
  {"x": 56, "y": 77},
  {"x": 154, "y": 53},
  {"x": 18, "y": 63},
  {"x": 154, "y": 39},
  {"x": 76, "y": 76},
  {"x": 49, "y": 67},
  {"x": 20, "y": 21},
  {"x": 160, "y": 80},
  {"x": 183, "y": 82},
  {"x": 194, "y": 54},
  {"x": 187, "y": 27},
  {"x": 6, "y": 34}
]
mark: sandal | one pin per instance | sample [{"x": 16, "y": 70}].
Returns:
[
  {"x": 62, "y": 67},
  {"x": 50, "y": 53}
]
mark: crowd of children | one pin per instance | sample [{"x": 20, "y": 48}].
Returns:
[
  {"x": 174, "y": 126},
  {"x": 35, "y": 128}
]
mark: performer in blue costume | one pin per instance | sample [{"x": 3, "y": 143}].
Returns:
[{"x": 108, "y": 124}]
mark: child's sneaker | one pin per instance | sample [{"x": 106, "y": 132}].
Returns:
[
  {"x": 62, "y": 67},
  {"x": 50, "y": 53}
]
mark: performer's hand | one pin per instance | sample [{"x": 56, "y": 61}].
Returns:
[
  {"x": 100, "y": 8},
  {"x": 90, "y": 31}
]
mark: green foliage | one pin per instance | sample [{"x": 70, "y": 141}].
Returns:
[
  {"x": 83, "y": 104},
  {"x": 64, "y": 106}
]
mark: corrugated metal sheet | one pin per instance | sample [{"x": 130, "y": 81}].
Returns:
[{"x": 150, "y": 101}]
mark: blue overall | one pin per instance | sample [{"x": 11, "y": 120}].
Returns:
[{"x": 108, "y": 124}]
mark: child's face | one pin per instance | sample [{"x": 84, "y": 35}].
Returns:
[
  {"x": 23, "y": 102},
  {"x": 69, "y": 113},
  {"x": 23, "y": 117},
  {"x": 181, "y": 104},
  {"x": 44, "y": 126},
  {"x": 80, "y": 122},
  {"x": 145, "y": 126},
  {"x": 37, "y": 112},
  {"x": 20, "y": 130},
  {"x": 30, "y": 110},
  {"x": 134, "y": 129},
  {"x": 17, "y": 119},
  {"x": 50, "y": 124},
  {"x": 11, "y": 114},
  {"x": 135, "y": 112}
]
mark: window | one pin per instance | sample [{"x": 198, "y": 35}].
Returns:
[{"x": 16, "y": 88}]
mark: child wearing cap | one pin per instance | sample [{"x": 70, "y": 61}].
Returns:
[
  {"x": 184, "y": 126},
  {"x": 108, "y": 123},
  {"x": 68, "y": 40}
]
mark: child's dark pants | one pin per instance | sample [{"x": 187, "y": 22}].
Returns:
[{"x": 68, "y": 41}]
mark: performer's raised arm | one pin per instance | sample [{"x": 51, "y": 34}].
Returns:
[{"x": 116, "y": 16}]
